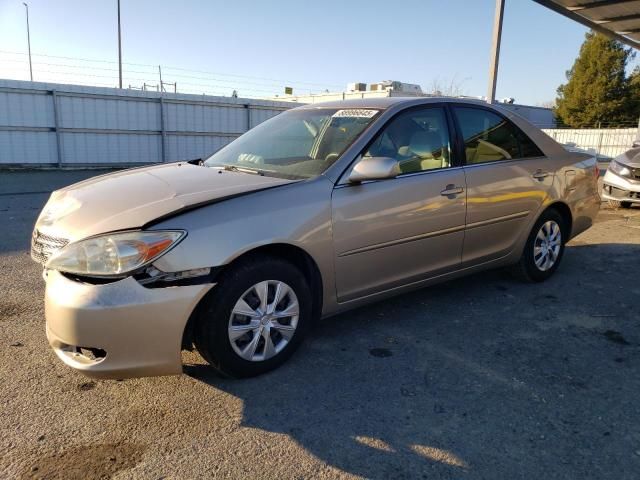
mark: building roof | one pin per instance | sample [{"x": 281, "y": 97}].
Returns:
[
  {"x": 386, "y": 102},
  {"x": 619, "y": 19}
]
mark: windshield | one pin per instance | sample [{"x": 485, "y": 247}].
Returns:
[{"x": 299, "y": 143}]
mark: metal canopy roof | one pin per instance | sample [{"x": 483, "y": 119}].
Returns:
[{"x": 619, "y": 19}]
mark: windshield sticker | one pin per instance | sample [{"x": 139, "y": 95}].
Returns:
[{"x": 354, "y": 113}]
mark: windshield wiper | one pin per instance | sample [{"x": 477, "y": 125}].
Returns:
[{"x": 234, "y": 168}]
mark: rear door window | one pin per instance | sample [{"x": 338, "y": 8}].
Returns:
[{"x": 489, "y": 137}]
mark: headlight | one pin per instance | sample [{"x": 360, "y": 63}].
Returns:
[
  {"x": 619, "y": 168},
  {"x": 114, "y": 254}
]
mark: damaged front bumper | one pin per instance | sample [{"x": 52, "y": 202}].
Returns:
[
  {"x": 621, "y": 189},
  {"x": 120, "y": 329}
]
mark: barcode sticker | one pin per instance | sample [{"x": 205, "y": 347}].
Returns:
[{"x": 354, "y": 113}]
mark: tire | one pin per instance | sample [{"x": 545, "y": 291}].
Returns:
[
  {"x": 527, "y": 268},
  {"x": 619, "y": 204},
  {"x": 246, "y": 281}
]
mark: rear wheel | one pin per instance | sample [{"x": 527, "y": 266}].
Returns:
[
  {"x": 255, "y": 318},
  {"x": 544, "y": 248},
  {"x": 619, "y": 204}
]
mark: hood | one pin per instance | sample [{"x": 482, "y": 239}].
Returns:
[
  {"x": 631, "y": 158},
  {"x": 135, "y": 197}
]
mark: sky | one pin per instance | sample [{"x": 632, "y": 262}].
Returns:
[{"x": 259, "y": 47}]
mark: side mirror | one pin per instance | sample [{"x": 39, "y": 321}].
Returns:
[{"x": 374, "y": 168}]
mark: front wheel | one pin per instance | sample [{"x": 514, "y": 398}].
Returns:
[
  {"x": 544, "y": 248},
  {"x": 255, "y": 317}
]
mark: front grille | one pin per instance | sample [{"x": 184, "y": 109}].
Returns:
[
  {"x": 635, "y": 173},
  {"x": 44, "y": 246}
]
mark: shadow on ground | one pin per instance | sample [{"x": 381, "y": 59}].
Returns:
[{"x": 482, "y": 375}]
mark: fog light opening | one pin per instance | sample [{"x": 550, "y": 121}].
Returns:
[
  {"x": 93, "y": 354},
  {"x": 81, "y": 355}
]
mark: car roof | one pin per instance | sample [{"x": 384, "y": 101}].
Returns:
[{"x": 386, "y": 102}]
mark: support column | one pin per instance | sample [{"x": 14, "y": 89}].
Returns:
[
  {"x": 163, "y": 133},
  {"x": 56, "y": 126},
  {"x": 495, "y": 51}
]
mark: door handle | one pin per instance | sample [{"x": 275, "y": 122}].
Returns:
[
  {"x": 451, "y": 189},
  {"x": 540, "y": 174}
]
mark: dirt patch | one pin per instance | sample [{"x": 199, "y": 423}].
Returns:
[
  {"x": 544, "y": 300},
  {"x": 564, "y": 320},
  {"x": 615, "y": 337},
  {"x": 10, "y": 309},
  {"x": 95, "y": 462},
  {"x": 380, "y": 352},
  {"x": 86, "y": 386}
]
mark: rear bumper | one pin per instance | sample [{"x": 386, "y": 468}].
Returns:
[
  {"x": 620, "y": 189},
  {"x": 136, "y": 331}
]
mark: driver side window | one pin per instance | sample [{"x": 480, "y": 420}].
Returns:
[{"x": 417, "y": 139}]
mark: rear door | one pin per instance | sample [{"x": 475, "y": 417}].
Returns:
[
  {"x": 508, "y": 178},
  {"x": 389, "y": 233}
]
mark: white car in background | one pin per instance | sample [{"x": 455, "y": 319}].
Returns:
[{"x": 621, "y": 183}]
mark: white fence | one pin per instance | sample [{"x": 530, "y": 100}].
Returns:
[
  {"x": 605, "y": 143},
  {"x": 65, "y": 125},
  {"x": 44, "y": 124}
]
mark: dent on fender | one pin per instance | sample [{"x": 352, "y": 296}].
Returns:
[{"x": 196, "y": 206}]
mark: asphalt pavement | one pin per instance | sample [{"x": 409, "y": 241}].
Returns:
[{"x": 484, "y": 377}]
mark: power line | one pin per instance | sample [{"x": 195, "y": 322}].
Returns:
[
  {"x": 247, "y": 76},
  {"x": 220, "y": 87},
  {"x": 77, "y": 58},
  {"x": 168, "y": 67},
  {"x": 72, "y": 66}
]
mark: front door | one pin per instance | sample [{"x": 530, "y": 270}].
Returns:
[{"x": 390, "y": 233}]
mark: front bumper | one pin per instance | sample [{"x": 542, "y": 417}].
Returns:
[
  {"x": 136, "y": 331},
  {"x": 615, "y": 187}
]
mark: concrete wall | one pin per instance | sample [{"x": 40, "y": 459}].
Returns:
[{"x": 67, "y": 125}]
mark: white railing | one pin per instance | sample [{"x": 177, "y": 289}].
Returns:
[{"x": 605, "y": 143}]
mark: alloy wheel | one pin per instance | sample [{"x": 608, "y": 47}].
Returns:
[
  {"x": 263, "y": 320},
  {"x": 547, "y": 244}
]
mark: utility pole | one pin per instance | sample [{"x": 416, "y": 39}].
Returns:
[
  {"x": 495, "y": 51},
  {"x": 28, "y": 41},
  {"x": 160, "y": 73},
  {"x": 119, "y": 47}
]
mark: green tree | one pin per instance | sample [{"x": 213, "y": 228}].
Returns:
[
  {"x": 634, "y": 87},
  {"x": 597, "y": 89}
]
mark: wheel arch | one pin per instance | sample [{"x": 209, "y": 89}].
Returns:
[
  {"x": 564, "y": 211},
  {"x": 284, "y": 251}
]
